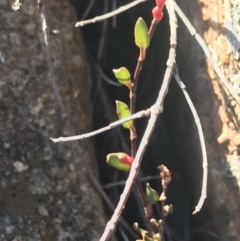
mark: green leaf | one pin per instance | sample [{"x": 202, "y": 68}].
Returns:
[
  {"x": 117, "y": 160},
  {"x": 123, "y": 76},
  {"x": 123, "y": 112},
  {"x": 151, "y": 194},
  {"x": 141, "y": 35}
]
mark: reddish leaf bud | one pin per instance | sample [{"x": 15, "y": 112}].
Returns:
[
  {"x": 157, "y": 13},
  {"x": 126, "y": 159},
  {"x": 120, "y": 160},
  {"x": 160, "y": 3}
]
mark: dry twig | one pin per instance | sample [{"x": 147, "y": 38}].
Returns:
[
  {"x": 110, "y": 14},
  {"x": 202, "y": 142},
  {"x": 138, "y": 115},
  {"x": 205, "y": 49},
  {"x": 150, "y": 127}
]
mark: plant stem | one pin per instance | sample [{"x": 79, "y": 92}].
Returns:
[{"x": 140, "y": 192}]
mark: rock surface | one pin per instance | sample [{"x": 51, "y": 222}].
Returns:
[{"x": 45, "y": 191}]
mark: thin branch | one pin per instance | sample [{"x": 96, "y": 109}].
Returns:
[
  {"x": 109, "y": 230},
  {"x": 110, "y": 14},
  {"x": 141, "y": 197},
  {"x": 205, "y": 49},
  {"x": 105, "y": 77},
  {"x": 202, "y": 142},
  {"x": 103, "y": 35},
  {"x": 121, "y": 183},
  {"x": 138, "y": 115},
  {"x": 114, "y": 19}
]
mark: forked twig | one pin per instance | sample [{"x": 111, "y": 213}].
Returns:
[
  {"x": 202, "y": 142},
  {"x": 110, "y": 14},
  {"x": 110, "y": 227},
  {"x": 205, "y": 49},
  {"x": 138, "y": 115}
]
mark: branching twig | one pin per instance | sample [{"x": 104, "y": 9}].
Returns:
[
  {"x": 133, "y": 136},
  {"x": 202, "y": 142},
  {"x": 110, "y": 14},
  {"x": 205, "y": 49},
  {"x": 150, "y": 127},
  {"x": 138, "y": 115}
]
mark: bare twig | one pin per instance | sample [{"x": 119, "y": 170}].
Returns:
[
  {"x": 105, "y": 77},
  {"x": 114, "y": 19},
  {"x": 102, "y": 41},
  {"x": 150, "y": 127},
  {"x": 202, "y": 142},
  {"x": 121, "y": 183},
  {"x": 138, "y": 115},
  {"x": 205, "y": 49},
  {"x": 110, "y": 14}
]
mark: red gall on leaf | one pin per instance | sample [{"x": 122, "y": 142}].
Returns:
[{"x": 157, "y": 13}]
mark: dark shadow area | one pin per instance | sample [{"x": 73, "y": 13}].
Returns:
[{"x": 174, "y": 143}]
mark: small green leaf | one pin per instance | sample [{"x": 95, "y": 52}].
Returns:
[
  {"x": 151, "y": 194},
  {"x": 123, "y": 112},
  {"x": 119, "y": 161},
  {"x": 123, "y": 76},
  {"x": 141, "y": 35}
]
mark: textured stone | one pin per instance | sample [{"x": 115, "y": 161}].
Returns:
[{"x": 52, "y": 199}]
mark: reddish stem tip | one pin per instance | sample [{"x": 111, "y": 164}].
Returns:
[{"x": 157, "y": 13}]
